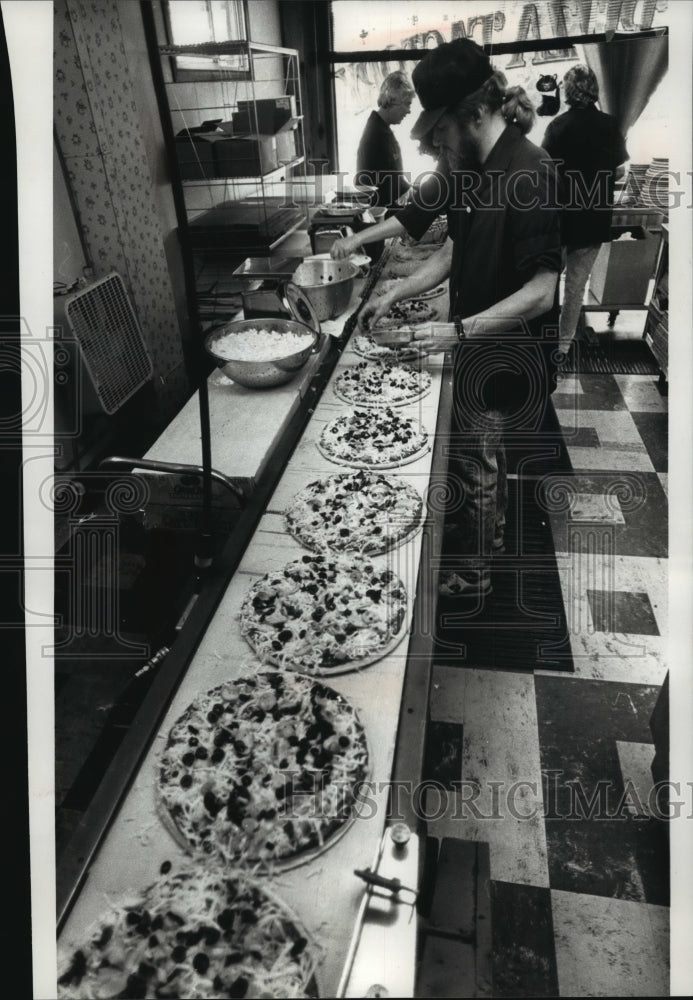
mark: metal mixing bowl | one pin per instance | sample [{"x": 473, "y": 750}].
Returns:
[
  {"x": 262, "y": 374},
  {"x": 328, "y": 284}
]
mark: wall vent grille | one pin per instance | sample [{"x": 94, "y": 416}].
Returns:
[{"x": 110, "y": 340}]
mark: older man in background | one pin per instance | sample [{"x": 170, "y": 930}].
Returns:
[{"x": 379, "y": 157}]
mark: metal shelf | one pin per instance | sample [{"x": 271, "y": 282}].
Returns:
[
  {"x": 230, "y": 48},
  {"x": 270, "y": 176}
]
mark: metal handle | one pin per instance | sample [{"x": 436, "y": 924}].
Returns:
[
  {"x": 372, "y": 878},
  {"x": 149, "y": 465}
]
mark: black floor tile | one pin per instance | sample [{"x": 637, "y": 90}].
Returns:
[
  {"x": 622, "y": 611},
  {"x": 624, "y": 858},
  {"x": 594, "y": 845},
  {"x": 653, "y": 429},
  {"x": 572, "y": 712},
  {"x": 524, "y": 958},
  {"x": 599, "y": 392},
  {"x": 644, "y": 506},
  {"x": 582, "y": 437},
  {"x": 443, "y": 761},
  {"x": 579, "y": 725}
]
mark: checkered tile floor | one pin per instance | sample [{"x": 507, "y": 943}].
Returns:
[{"x": 552, "y": 769}]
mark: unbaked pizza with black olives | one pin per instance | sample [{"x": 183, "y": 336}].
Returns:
[
  {"x": 198, "y": 933},
  {"x": 355, "y": 512},
  {"x": 364, "y": 345},
  {"x": 380, "y": 384},
  {"x": 266, "y": 768},
  {"x": 325, "y": 614},
  {"x": 407, "y": 314},
  {"x": 368, "y": 439}
]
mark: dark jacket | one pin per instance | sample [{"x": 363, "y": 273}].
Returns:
[
  {"x": 379, "y": 162},
  {"x": 587, "y": 146},
  {"x": 504, "y": 221}
]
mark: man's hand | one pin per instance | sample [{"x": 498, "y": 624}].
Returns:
[
  {"x": 344, "y": 247},
  {"x": 373, "y": 311},
  {"x": 432, "y": 338}
]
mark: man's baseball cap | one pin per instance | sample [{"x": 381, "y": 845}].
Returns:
[{"x": 445, "y": 76}]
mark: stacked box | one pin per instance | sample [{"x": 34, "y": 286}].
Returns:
[
  {"x": 266, "y": 116},
  {"x": 622, "y": 270},
  {"x": 247, "y": 157},
  {"x": 195, "y": 157}
]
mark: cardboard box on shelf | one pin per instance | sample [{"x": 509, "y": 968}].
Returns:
[
  {"x": 195, "y": 153},
  {"x": 623, "y": 268},
  {"x": 265, "y": 116},
  {"x": 250, "y": 156}
]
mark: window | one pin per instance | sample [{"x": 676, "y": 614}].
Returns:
[
  {"x": 208, "y": 23},
  {"x": 388, "y": 28}
]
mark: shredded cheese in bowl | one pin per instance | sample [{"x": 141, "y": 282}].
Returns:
[{"x": 260, "y": 345}]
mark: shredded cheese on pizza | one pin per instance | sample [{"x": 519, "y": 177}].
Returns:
[
  {"x": 355, "y": 512},
  {"x": 407, "y": 314},
  {"x": 322, "y": 615},
  {"x": 263, "y": 768},
  {"x": 200, "y": 933},
  {"x": 361, "y": 438},
  {"x": 381, "y": 384}
]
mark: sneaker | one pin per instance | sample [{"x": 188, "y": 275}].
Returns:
[{"x": 454, "y": 585}]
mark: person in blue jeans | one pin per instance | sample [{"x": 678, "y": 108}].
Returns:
[{"x": 503, "y": 259}]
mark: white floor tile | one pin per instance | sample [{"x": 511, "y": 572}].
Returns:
[
  {"x": 613, "y": 427},
  {"x": 569, "y": 385},
  {"x": 610, "y": 947},
  {"x": 613, "y": 458},
  {"x": 635, "y": 760},
  {"x": 638, "y": 659},
  {"x": 501, "y": 797},
  {"x": 596, "y": 507},
  {"x": 641, "y": 393}
]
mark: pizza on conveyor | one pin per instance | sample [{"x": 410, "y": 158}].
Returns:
[
  {"x": 365, "y": 439},
  {"x": 403, "y": 252},
  {"x": 406, "y": 314},
  {"x": 325, "y": 615},
  {"x": 364, "y": 345},
  {"x": 263, "y": 769},
  {"x": 355, "y": 511},
  {"x": 381, "y": 384},
  {"x": 199, "y": 933}
]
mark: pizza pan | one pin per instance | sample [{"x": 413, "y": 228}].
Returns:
[
  {"x": 377, "y": 403},
  {"x": 389, "y": 541},
  {"x": 350, "y": 668},
  {"x": 165, "y": 889},
  {"x": 261, "y": 866},
  {"x": 392, "y": 338},
  {"x": 355, "y": 464},
  {"x": 406, "y": 354}
]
